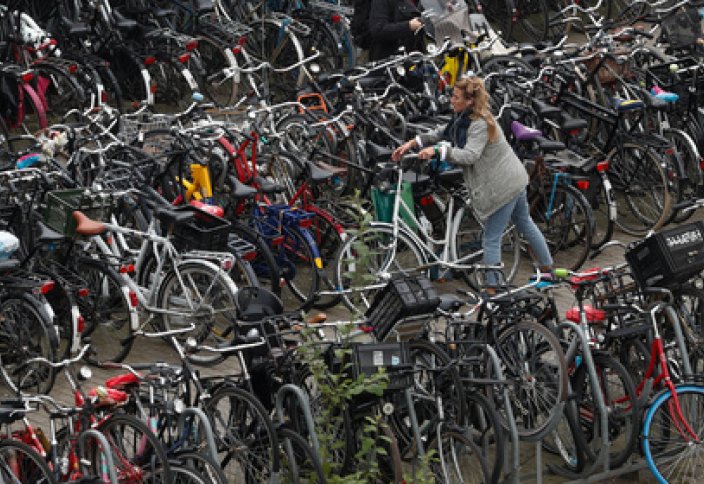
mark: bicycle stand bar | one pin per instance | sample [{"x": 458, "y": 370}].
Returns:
[
  {"x": 515, "y": 442},
  {"x": 305, "y": 405},
  {"x": 107, "y": 454},
  {"x": 603, "y": 457},
  {"x": 205, "y": 427},
  {"x": 604, "y": 476}
]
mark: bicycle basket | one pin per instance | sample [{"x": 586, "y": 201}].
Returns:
[
  {"x": 683, "y": 28},
  {"x": 402, "y": 297},
  {"x": 369, "y": 358},
  {"x": 205, "y": 232},
  {"x": 610, "y": 68},
  {"x": 453, "y": 26},
  {"x": 60, "y": 205},
  {"x": 669, "y": 257},
  {"x": 132, "y": 126}
]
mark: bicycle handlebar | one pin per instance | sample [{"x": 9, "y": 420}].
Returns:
[
  {"x": 265, "y": 64},
  {"x": 59, "y": 364}
]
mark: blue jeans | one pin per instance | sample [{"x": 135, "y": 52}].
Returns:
[{"x": 518, "y": 212}]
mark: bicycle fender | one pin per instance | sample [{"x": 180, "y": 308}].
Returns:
[{"x": 308, "y": 237}]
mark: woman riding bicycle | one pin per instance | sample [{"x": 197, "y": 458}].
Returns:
[{"x": 495, "y": 177}]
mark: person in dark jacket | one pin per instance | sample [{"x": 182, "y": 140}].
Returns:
[{"x": 393, "y": 24}]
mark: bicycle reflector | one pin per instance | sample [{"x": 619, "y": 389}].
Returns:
[
  {"x": 335, "y": 18},
  {"x": 47, "y": 287},
  {"x": 27, "y": 76},
  {"x": 583, "y": 184},
  {"x": 134, "y": 301},
  {"x": 81, "y": 323},
  {"x": 602, "y": 166},
  {"x": 183, "y": 58},
  {"x": 192, "y": 45},
  {"x": 83, "y": 292},
  {"x": 149, "y": 60}
]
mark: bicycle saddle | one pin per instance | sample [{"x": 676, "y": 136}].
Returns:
[
  {"x": 122, "y": 22},
  {"x": 549, "y": 145},
  {"x": 524, "y": 133},
  {"x": 173, "y": 216},
  {"x": 570, "y": 123},
  {"x": 318, "y": 174},
  {"x": 240, "y": 190},
  {"x": 378, "y": 153},
  {"x": 88, "y": 226},
  {"x": 266, "y": 186},
  {"x": 545, "y": 110},
  {"x": 11, "y": 411}
]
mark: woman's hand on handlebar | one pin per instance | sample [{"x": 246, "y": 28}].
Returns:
[
  {"x": 427, "y": 153},
  {"x": 403, "y": 149}
]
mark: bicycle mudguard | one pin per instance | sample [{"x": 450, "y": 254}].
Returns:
[{"x": 39, "y": 105}]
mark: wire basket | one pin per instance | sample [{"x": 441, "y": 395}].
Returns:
[
  {"x": 133, "y": 126},
  {"x": 453, "y": 26}
]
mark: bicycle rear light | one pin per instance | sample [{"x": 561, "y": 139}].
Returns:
[
  {"x": 192, "y": 45},
  {"x": 149, "y": 60},
  {"x": 183, "y": 58},
  {"x": 83, "y": 292},
  {"x": 27, "y": 76},
  {"x": 47, "y": 287},
  {"x": 602, "y": 166},
  {"x": 583, "y": 184}
]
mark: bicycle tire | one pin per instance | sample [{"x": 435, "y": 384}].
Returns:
[
  {"x": 487, "y": 432},
  {"x": 133, "y": 78},
  {"x": 430, "y": 356},
  {"x": 623, "y": 419},
  {"x": 62, "y": 93},
  {"x": 630, "y": 179},
  {"x": 26, "y": 331},
  {"x": 187, "y": 475},
  {"x": 374, "y": 241},
  {"x": 468, "y": 235},
  {"x": 107, "y": 312},
  {"x": 532, "y": 22},
  {"x": 242, "y": 430},
  {"x": 465, "y": 464},
  {"x": 689, "y": 304},
  {"x": 566, "y": 221},
  {"x": 264, "y": 263},
  {"x": 150, "y": 454},
  {"x": 27, "y": 465},
  {"x": 219, "y": 85},
  {"x": 214, "y": 326},
  {"x": 203, "y": 463},
  {"x": 603, "y": 208},
  {"x": 691, "y": 179},
  {"x": 659, "y": 426},
  {"x": 534, "y": 364},
  {"x": 307, "y": 467}
]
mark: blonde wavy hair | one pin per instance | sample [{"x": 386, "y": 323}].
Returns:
[{"x": 473, "y": 87}]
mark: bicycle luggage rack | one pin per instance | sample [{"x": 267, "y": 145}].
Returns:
[{"x": 331, "y": 8}]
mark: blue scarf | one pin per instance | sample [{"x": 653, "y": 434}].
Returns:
[{"x": 456, "y": 130}]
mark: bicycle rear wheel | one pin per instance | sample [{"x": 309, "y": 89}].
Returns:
[{"x": 672, "y": 454}]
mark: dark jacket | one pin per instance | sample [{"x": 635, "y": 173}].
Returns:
[{"x": 388, "y": 24}]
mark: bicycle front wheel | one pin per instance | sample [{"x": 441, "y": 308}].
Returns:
[
  {"x": 21, "y": 463},
  {"x": 369, "y": 258},
  {"x": 25, "y": 333},
  {"x": 673, "y": 453},
  {"x": 196, "y": 292},
  {"x": 245, "y": 436},
  {"x": 136, "y": 453},
  {"x": 457, "y": 459},
  {"x": 534, "y": 366}
]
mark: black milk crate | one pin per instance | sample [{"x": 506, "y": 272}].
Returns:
[
  {"x": 60, "y": 205},
  {"x": 669, "y": 257},
  {"x": 204, "y": 232},
  {"x": 369, "y": 358},
  {"x": 402, "y": 297}
]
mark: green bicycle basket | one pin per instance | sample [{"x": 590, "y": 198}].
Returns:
[{"x": 384, "y": 205}]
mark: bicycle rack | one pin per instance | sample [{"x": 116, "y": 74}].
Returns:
[
  {"x": 205, "y": 427},
  {"x": 603, "y": 456},
  {"x": 302, "y": 398},
  {"x": 110, "y": 464}
]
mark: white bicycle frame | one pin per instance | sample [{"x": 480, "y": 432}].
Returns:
[
  {"x": 163, "y": 251},
  {"x": 448, "y": 257}
]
